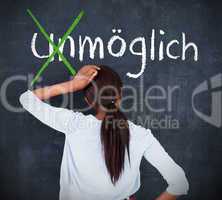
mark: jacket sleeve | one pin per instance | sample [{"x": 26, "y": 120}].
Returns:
[{"x": 174, "y": 175}]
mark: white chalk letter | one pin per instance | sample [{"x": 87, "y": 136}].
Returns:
[
  {"x": 33, "y": 47},
  {"x": 186, "y": 46},
  {"x": 92, "y": 47},
  {"x": 168, "y": 49},
  {"x": 122, "y": 49},
  {"x": 72, "y": 47},
  {"x": 142, "y": 53}
]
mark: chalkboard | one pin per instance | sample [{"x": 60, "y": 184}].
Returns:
[{"x": 30, "y": 152}]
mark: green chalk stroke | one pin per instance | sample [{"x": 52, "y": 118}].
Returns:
[{"x": 55, "y": 48}]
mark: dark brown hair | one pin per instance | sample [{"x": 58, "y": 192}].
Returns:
[{"x": 102, "y": 93}]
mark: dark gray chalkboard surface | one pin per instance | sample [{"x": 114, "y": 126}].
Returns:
[{"x": 30, "y": 152}]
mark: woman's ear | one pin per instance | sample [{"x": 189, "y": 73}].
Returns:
[{"x": 118, "y": 102}]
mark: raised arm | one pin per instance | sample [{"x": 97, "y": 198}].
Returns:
[
  {"x": 84, "y": 76},
  {"x": 55, "y": 117},
  {"x": 168, "y": 168}
]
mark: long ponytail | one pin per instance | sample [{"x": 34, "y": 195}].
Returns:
[
  {"x": 115, "y": 140},
  {"x": 115, "y": 134}
]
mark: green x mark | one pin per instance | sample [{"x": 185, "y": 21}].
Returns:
[{"x": 56, "y": 48}]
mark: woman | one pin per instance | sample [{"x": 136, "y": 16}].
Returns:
[{"x": 102, "y": 153}]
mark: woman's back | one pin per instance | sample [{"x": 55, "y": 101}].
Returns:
[{"x": 83, "y": 167}]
